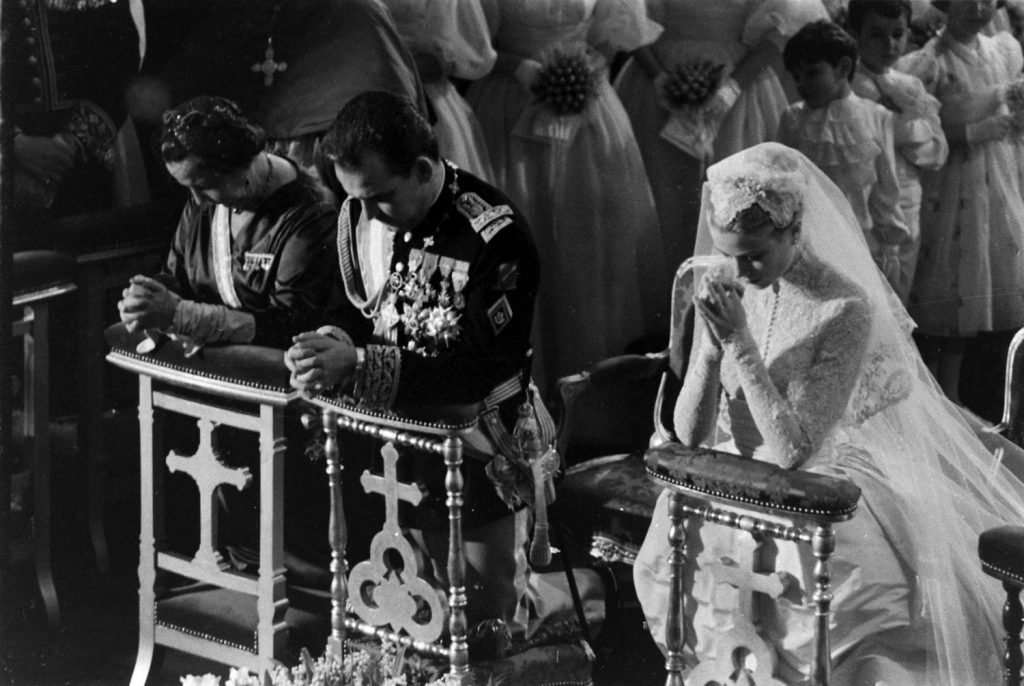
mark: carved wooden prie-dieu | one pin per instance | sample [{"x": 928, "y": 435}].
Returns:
[
  {"x": 234, "y": 618},
  {"x": 389, "y": 600},
  {"x": 749, "y": 495}
]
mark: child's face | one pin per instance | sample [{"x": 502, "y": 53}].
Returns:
[
  {"x": 881, "y": 41},
  {"x": 819, "y": 83},
  {"x": 968, "y": 17}
]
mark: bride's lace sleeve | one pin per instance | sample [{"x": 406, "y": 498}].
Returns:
[
  {"x": 697, "y": 405},
  {"x": 794, "y": 423}
]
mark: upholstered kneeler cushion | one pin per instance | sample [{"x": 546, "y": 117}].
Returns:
[
  {"x": 39, "y": 270},
  {"x": 1002, "y": 553},
  {"x": 703, "y": 472},
  {"x": 608, "y": 502},
  {"x": 229, "y": 617},
  {"x": 248, "y": 365}
]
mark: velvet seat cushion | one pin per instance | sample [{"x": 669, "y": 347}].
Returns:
[
  {"x": 608, "y": 499},
  {"x": 230, "y": 617}
]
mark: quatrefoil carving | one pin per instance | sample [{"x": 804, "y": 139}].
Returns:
[{"x": 387, "y": 588}]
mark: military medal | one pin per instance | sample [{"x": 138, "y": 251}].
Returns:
[
  {"x": 415, "y": 260},
  {"x": 429, "y": 264},
  {"x": 460, "y": 275}
]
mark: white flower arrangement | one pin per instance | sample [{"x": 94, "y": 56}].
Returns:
[{"x": 358, "y": 667}]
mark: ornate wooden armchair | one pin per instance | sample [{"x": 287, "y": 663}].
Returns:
[
  {"x": 611, "y": 498},
  {"x": 1002, "y": 549},
  {"x": 610, "y": 414}
]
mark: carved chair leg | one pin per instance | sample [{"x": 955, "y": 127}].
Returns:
[
  {"x": 337, "y": 533},
  {"x": 37, "y": 417},
  {"x": 457, "y": 626},
  {"x": 1013, "y": 622},
  {"x": 675, "y": 636},
  {"x": 823, "y": 544}
]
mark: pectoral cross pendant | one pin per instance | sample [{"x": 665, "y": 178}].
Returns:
[{"x": 268, "y": 67}]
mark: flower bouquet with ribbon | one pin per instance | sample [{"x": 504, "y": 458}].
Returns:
[
  {"x": 690, "y": 84},
  {"x": 698, "y": 95},
  {"x": 563, "y": 87},
  {"x": 566, "y": 82},
  {"x": 1015, "y": 103}
]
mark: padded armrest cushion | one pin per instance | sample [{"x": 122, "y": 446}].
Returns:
[
  {"x": 246, "y": 365},
  {"x": 731, "y": 479},
  {"x": 624, "y": 369},
  {"x": 38, "y": 270},
  {"x": 1002, "y": 552}
]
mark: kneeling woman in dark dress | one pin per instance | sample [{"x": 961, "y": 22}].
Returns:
[
  {"x": 253, "y": 258},
  {"x": 253, "y": 261}
]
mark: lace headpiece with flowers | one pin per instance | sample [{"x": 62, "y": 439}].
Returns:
[{"x": 769, "y": 176}]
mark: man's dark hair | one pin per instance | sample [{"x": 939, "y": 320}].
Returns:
[
  {"x": 859, "y": 10},
  {"x": 214, "y": 131},
  {"x": 384, "y": 123},
  {"x": 820, "y": 41}
]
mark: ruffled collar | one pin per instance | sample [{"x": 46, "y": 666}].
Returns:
[{"x": 839, "y": 134}]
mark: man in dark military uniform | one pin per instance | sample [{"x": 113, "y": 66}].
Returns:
[{"x": 441, "y": 274}]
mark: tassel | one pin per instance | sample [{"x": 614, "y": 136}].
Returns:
[
  {"x": 527, "y": 434},
  {"x": 307, "y": 664}
]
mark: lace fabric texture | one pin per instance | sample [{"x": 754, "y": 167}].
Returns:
[{"x": 842, "y": 390}]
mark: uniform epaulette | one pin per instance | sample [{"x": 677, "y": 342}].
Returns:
[{"x": 486, "y": 220}]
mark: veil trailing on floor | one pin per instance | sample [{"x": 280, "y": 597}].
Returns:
[{"x": 949, "y": 476}]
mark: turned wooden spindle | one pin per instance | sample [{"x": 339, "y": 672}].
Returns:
[
  {"x": 1013, "y": 623},
  {"x": 337, "y": 533},
  {"x": 675, "y": 627},
  {"x": 823, "y": 544},
  {"x": 453, "y": 483}
]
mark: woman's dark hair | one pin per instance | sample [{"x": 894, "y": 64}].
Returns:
[
  {"x": 214, "y": 131},
  {"x": 820, "y": 41},
  {"x": 859, "y": 10},
  {"x": 384, "y": 123}
]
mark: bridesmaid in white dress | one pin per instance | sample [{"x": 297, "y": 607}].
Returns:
[
  {"x": 970, "y": 276},
  {"x": 745, "y": 35},
  {"x": 449, "y": 39},
  {"x": 578, "y": 177}
]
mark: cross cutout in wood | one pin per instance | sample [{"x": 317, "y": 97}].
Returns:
[
  {"x": 268, "y": 67},
  {"x": 389, "y": 486},
  {"x": 208, "y": 472}
]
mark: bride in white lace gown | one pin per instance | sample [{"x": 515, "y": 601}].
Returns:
[{"x": 806, "y": 361}]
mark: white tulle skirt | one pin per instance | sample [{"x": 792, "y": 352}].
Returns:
[
  {"x": 458, "y": 132},
  {"x": 582, "y": 185}
]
